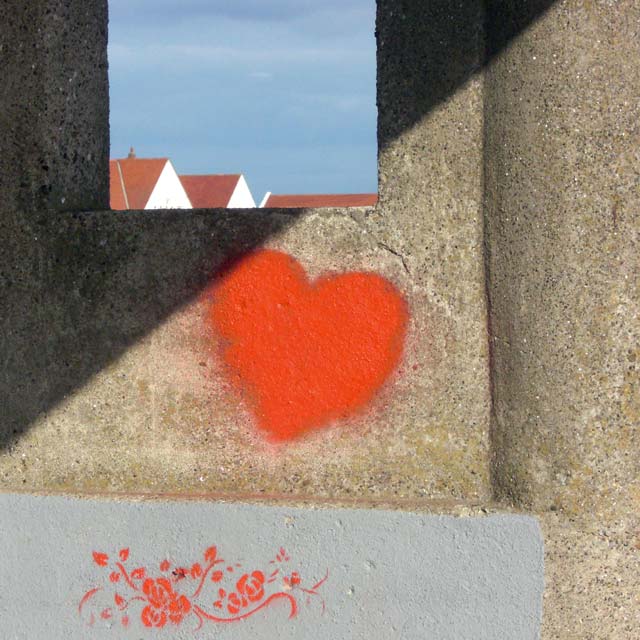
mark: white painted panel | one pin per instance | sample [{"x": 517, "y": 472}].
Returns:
[
  {"x": 263, "y": 202},
  {"x": 168, "y": 192},
  {"x": 241, "y": 197}
]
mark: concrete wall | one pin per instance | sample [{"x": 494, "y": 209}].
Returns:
[
  {"x": 563, "y": 231},
  {"x": 562, "y": 211},
  {"x": 430, "y": 214},
  {"x": 507, "y": 222},
  {"x": 55, "y": 110}
]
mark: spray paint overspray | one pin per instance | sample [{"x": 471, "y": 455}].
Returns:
[{"x": 305, "y": 354}]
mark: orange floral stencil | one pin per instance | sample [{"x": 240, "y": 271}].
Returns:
[{"x": 212, "y": 591}]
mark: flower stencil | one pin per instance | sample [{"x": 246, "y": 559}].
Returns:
[
  {"x": 180, "y": 593},
  {"x": 163, "y": 603},
  {"x": 251, "y": 586}
]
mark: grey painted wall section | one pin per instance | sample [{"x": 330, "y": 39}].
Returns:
[{"x": 391, "y": 574}]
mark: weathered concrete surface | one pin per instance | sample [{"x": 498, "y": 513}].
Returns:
[
  {"x": 112, "y": 380},
  {"x": 131, "y": 394},
  {"x": 104, "y": 384},
  {"x": 71, "y": 306},
  {"x": 592, "y": 576},
  {"x": 389, "y": 573},
  {"x": 563, "y": 225},
  {"x": 54, "y": 105},
  {"x": 430, "y": 140}
]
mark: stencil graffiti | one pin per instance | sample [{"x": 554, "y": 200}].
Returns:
[
  {"x": 213, "y": 591},
  {"x": 305, "y": 354}
]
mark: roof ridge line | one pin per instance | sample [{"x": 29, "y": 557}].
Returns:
[{"x": 124, "y": 189}]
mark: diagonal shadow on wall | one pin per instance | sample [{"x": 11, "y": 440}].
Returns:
[
  {"x": 428, "y": 49},
  {"x": 78, "y": 289}
]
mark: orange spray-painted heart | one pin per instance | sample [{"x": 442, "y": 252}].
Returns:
[{"x": 305, "y": 354}]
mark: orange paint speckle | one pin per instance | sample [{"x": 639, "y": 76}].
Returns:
[{"x": 306, "y": 354}]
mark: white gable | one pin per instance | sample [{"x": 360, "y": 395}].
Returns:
[
  {"x": 241, "y": 197},
  {"x": 168, "y": 192}
]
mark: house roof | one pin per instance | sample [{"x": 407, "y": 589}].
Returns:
[
  {"x": 132, "y": 181},
  {"x": 322, "y": 200},
  {"x": 211, "y": 191},
  {"x": 116, "y": 187}
]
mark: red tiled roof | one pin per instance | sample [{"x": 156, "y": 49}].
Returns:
[
  {"x": 132, "y": 181},
  {"x": 116, "y": 187},
  {"x": 209, "y": 192},
  {"x": 322, "y": 200}
]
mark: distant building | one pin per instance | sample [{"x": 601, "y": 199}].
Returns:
[
  {"x": 218, "y": 191},
  {"x": 152, "y": 183},
  {"x": 310, "y": 201},
  {"x": 145, "y": 183}
]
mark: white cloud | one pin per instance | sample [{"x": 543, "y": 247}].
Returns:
[
  {"x": 161, "y": 55},
  {"x": 277, "y": 78}
]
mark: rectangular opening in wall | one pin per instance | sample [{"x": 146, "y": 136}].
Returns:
[{"x": 242, "y": 103}]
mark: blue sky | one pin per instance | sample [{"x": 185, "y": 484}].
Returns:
[{"x": 280, "y": 90}]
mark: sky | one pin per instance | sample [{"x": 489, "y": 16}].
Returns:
[{"x": 282, "y": 91}]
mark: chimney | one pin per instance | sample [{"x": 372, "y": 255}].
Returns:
[{"x": 132, "y": 153}]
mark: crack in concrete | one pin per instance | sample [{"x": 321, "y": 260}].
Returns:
[{"x": 386, "y": 247}]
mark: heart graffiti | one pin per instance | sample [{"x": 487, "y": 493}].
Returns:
[{"x": 305, "y": 354}]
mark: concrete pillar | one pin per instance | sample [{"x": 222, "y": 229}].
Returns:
[
  {"x": 54, "y": 147},
  {"x": 562, "y": 180},
  {"x": 430, "y": 166},
  {"x": 563, "y": 239}
]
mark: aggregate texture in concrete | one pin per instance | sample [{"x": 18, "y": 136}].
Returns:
[
  {"x": 386, "y": 573},
  {"x": 562, "y": 203},
  {"x": 592, "y": 577},
  {"x": 116, "y": 383},
  {"x": 524, "y": 113},
  {"x": 54, "y": 106},
  {"x": 113, "y": 381},
  {"x": 430, "y": 118},
  {"x": 563, "y": 239}
]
